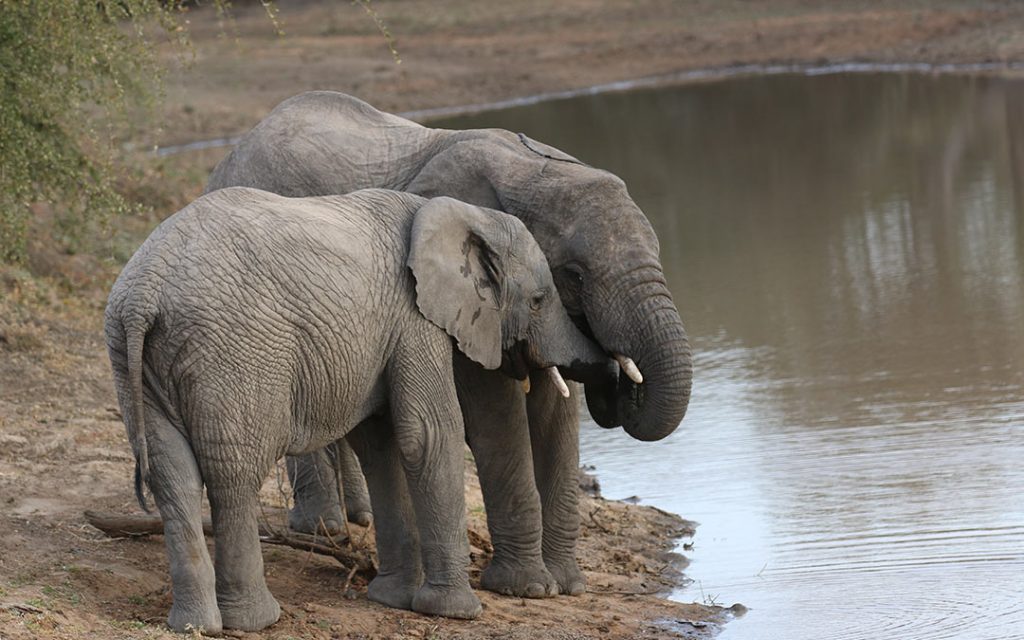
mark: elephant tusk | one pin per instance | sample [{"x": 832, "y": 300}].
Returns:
[
  {"x": 629, "y": 367},
  {"x": 556, "y": 378},
  {"x": 526, "y": 385}
]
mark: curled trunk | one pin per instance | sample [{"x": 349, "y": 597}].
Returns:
[{"x": 644, "y": 325}]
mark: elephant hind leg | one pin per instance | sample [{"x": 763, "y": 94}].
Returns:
[
  {"x": 232, "y": 484},
  {"x": 178, "y": 491}
]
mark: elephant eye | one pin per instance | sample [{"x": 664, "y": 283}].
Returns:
[
  {"x": 537, "y": 300},
  {"x": 569, "y": 281},
  {"x": 571, "y": 277}
]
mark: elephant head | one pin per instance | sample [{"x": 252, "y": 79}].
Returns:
[
  {"x": 603, "y": 254},
  {"x": 482, "y": 278}
]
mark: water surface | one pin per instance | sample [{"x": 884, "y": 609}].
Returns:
[{"x": 847, "y": 252}]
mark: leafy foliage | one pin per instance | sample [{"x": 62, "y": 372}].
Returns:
[
  {"x": 70, "y": 71},
  {"x": 68, "y": 68}
]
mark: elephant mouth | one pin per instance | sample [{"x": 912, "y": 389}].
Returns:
[
  {"x": 614, "y": 401},
  {"x": 515, "y": 362},
  {"x": 581, "y": 323},
  {"x": 610, "y": 396}
]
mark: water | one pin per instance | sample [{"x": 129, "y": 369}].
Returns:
[{"x": 847, "y": 252}]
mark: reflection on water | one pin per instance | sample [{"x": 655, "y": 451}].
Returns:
[{"x": 847, "y": 252}]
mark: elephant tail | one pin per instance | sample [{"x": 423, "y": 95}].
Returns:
[{"x": 135, "y": 330}]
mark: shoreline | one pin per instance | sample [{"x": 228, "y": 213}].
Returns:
[
  {"x": 464, "y": 53},
  {"x": 677, "y": 78}
]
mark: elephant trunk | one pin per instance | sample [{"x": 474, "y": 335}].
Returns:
[{"x": 645, "y": 326}]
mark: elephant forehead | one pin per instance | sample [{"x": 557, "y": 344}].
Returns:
[
  {"x": 534, "y": 264},
  {"x": 546, "y": 150}
]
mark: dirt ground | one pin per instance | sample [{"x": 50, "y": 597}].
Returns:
[{"x": 62, "y": 446}]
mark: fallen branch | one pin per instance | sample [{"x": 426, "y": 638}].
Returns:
[
  {"x": 122, "y": 526},
  {"x": 20, "y": 606}
]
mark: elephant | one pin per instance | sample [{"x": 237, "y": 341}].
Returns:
[
  {"x": 250, "y": 325},
  {"x": 604, "y": 256}
]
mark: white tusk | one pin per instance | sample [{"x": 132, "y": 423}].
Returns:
[
  {"x": 559, "y": 383},
  {"x": 526, "y": 385},
  {"x": 629, "y": 367}
]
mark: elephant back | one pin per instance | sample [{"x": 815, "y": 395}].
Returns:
[{"x": 324, "y": 142}]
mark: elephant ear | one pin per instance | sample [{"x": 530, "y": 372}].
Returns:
[{"x": 457, "y": 255}]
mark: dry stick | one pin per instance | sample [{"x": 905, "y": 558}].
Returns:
[
  {"x": 593, "y": 518},
  {"x": 119, "y": 526},
  {"x": 348, "y": 580}
]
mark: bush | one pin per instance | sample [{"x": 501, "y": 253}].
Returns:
[{"x": 69, "y": 70}]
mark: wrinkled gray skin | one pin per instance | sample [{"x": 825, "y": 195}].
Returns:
[
  {"x": 249, "y": 326},
  {"x": 604, "y": 257}
]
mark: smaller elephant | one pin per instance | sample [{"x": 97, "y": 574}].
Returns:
[{"x": 250, "y": 326}]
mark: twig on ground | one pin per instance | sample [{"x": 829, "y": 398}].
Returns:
[
  {"x": 117, "y": 525},
  {"x": 593, "y": 518},
  {"x": 348, "y": 580},
  {"x": 621, "y": 592}
]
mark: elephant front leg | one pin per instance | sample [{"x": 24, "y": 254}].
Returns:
[
  {"x": 554, "y": 435},
  {"x": 317, "y": 508},
  {"x": 355, "y": 493},
  {"x": 400, "y": 572},
  {"x": 497, "y": 432},
  {"x": 429, "y": 435}
]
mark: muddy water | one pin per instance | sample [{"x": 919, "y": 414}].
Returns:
[{"x": 847, "y": 252}]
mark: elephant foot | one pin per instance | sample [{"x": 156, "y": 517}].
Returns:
[
  {"x": 449, "y": 601},
  {"x": 362, "y": 518},
  {"x": 251, "y": 612},
  {"x": 533, "y": 581},
  {"x": 393, "y": 591},
  {"x": 357, "y": 506},
  {"x": 567, "y": 574},
  {"x": 313, "y": 517},
  {"x": 189, "y": 619}
]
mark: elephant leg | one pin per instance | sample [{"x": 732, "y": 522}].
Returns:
[
  {"x": 353, "y": 484},
  {"x": 178, "y": 491},
  {"x": 429, "y": 436},
  {"x": 497, "y": 432},
  {"x": 315, "y": 491},
  {"x": 233, "y": 488},
  {"x": 400, "y": 572},
  {"x": 555, "y": 438}
]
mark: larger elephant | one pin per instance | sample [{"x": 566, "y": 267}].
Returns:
[{"x": 603, "y": 254}]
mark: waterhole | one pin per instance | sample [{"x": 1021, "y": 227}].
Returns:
[{"x": 847, "y": 253}]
